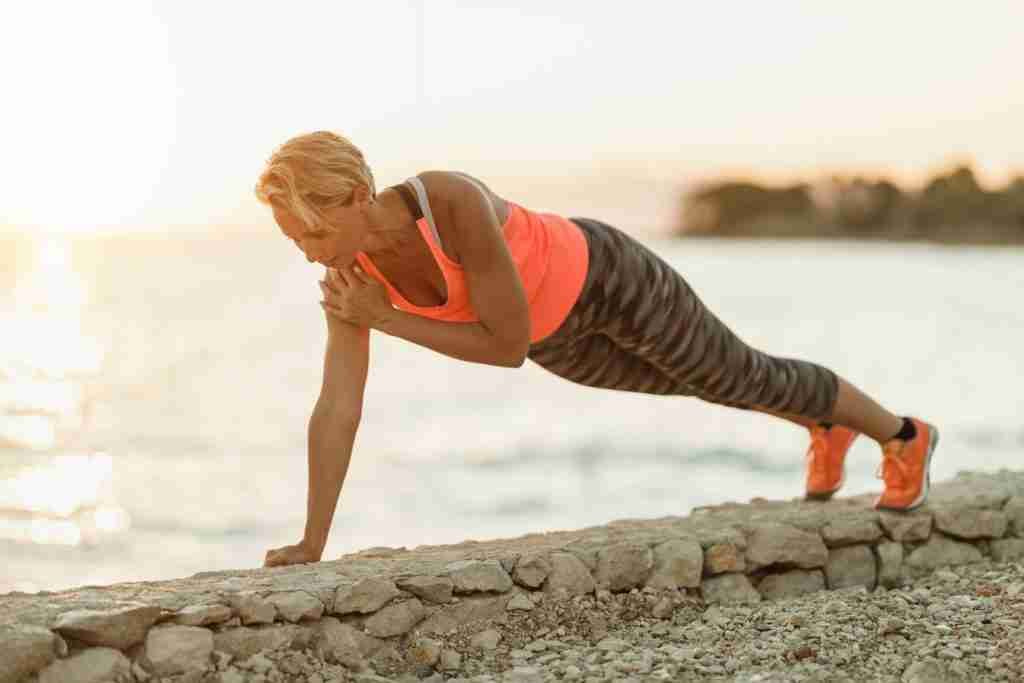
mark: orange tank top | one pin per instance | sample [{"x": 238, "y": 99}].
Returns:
[{"x": 550, "y": 254}]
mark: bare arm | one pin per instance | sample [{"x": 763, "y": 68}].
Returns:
[
  {"x": 333, "y": 425},
  {"x": 471, "y": 342},
  {"x": 332, "y": 432},
  {"x": 502, "y": 334}
]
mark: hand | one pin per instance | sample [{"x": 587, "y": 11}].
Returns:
[
  {"x": 352, "y": 296},
  {"x": 290, "y": 554}
]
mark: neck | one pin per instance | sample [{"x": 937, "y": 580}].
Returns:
[{"x": 394, "y": 226}]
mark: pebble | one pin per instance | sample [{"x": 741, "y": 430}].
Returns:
[{"x": 940, "y": 629}]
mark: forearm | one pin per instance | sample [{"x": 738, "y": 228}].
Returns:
[
  {"x": 471, "y": 342},
  {"x": 331, "y": 437}
]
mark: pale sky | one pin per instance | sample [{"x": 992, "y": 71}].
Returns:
[{"x": 135, "y": 115}]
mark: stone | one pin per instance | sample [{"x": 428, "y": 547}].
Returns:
[
  {"x": 252, "y": 609},
  {"x": 587, "y": 555},
  {"x": 140, "y": 674},
  {"x": 468, "y": 610},
  {"x": 24, "y": 650},
  {"x": 435, "y": 589},
  {"x": 624, "y": 565},
  {"x": 450, "y": 660},
  {"x": 343, "y": 644},
  {"x": 612, "y": 645},
  {"x": 569, "y": 573},
  {"x": 396, "y": 619},
  {"x": 842, "y": 532},
  {"x": 532, "y": 674},
  {"x": 365, "y": 596},
  {"x": 245, "y": 641},
  {"x": 678, "y": 563},
  {"x": 720, "y": 558},
  {"x": 202, "y": 615},
  {"x": 1007, "y": 549},
  {"x": 178, "y": 649},
  {"x": 890, "y": 564},
  {"x": 520, "y": 602},
  {"x": 791, "y": 584},
  {"x": 425, "y": 651},
  {"x": 258, "y": 663},
  {"x": 772, "y": 543},
  {"x": 485, "y": 640},
  {"x": 663, "y": 609},
  {"x": 930, "y": 671},
  {"x": 119, "y": 627},
  {"x": 971, "y": 523},
  {"x": 851, "y": 566},
  {"x": 729, "y": 589},
  {"x": 906, "y": 526},
  {"x": 367, "y": 677},
  {"x": 1014, "y": 511},
  {"x": 941, "y": 551},
  {"x": 531, "y": 570},
  {"x": 476, "y": 576},
  {"x": 95, "y": 665},
  {"x": 220, "y": 660},
  {"x": 294, "y": 606}
]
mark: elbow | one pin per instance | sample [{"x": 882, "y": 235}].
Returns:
[
  {"x": 513, "y": 361},
  {"x": 515, "y": 354}
]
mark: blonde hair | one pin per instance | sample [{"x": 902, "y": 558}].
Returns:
[{"x": 313, "y": 172}]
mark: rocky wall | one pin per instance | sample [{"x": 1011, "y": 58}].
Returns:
[{"x": 392, "y": 611}]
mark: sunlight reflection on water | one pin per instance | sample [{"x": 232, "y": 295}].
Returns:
[{"x": 51, "y": 492}]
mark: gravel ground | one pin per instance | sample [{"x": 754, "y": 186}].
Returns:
[{"x": 958, "y": 624}]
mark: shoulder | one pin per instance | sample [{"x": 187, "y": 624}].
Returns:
[
  {"x": 457, "y": 190},
  {"x": 450, "y": 185}
]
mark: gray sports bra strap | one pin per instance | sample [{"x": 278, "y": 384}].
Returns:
[{"x": 421, "y": 195}]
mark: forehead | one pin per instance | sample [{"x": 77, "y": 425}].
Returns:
[{"x": 289, "y": 223}]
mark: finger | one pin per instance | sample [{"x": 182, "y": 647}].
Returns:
[
  {"x": 358, "y": 273},
  {"x": 346, "y": 278},
  {"x": 333, "y": 310},
  {"x": 327, "y": 289}
]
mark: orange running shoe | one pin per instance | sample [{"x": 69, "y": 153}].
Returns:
[
  {"x": 826, "y": 456},
  {"x": 905, "y": 469}
]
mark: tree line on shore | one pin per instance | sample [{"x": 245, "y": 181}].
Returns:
[{"x": 951, "y": 207}]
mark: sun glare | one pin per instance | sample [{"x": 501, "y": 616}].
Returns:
[
  {"x": 86, "y": 144},
  {"x": 47, "y": 494}
]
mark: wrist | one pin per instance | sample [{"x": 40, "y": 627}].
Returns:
[
  {"x": 313, "y": 546},
  {"x": 386, "y": 318}
]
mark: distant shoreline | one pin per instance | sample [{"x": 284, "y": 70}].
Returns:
[{"x": 950, "y": 209}]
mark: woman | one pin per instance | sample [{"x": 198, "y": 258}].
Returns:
[{"x": 442, "y": 261}]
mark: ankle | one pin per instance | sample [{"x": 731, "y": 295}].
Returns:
[{"x": 907, "y": 431}]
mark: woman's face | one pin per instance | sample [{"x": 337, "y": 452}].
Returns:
[{"x": 334, "y": 247}]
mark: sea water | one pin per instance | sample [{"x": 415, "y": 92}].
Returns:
[{"x": 155, "y": 392}]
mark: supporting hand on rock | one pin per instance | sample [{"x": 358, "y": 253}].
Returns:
[{"x": 290, "y": 554}]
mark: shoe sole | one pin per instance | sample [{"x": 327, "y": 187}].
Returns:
[
  {"x": 933, "y": 441},
  {"x": 827, "y": 495}
]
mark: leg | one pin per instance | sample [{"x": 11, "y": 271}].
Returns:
[
  {"x": 853, "y": 409},
  {"x": 856, "y": 410},
  {"x": 638, "y": 326},
  {"x": 647, "y": 309}
]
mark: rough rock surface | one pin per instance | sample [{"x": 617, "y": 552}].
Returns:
[{"x": 735, "y": 592}]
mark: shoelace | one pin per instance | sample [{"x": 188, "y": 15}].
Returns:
[{"x": 893, "y": 469}]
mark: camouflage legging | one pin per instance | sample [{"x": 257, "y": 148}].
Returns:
[{"x": 638, "y": 326}]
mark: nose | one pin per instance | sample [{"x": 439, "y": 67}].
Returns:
[{"x": 310, "y": 258}]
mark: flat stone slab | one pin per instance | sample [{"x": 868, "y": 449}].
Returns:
[{"x": 721, "y": 552}]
